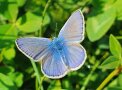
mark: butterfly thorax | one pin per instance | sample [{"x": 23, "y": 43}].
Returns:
[{"x": 57, "y": 44}]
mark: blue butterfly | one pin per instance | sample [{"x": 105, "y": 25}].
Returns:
[{"x": 60, "y": 55}]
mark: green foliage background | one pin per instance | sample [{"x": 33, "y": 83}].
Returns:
[{"x": 44, "y": 18}]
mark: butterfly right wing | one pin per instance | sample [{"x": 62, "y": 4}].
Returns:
[
  {"x": 73, "y": 33},
  {"x": 34, "y": 48}
]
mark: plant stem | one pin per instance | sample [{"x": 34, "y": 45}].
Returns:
[
  {"x": 109, "y": 77},
  {"x": 42, "y": 78},
  {"x": 36, "y": 84},
  {"x": 36, "y": 72},
  {"x": 43, "y": 14}
]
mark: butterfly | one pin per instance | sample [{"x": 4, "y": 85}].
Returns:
[{"x": 60, "y": 55}]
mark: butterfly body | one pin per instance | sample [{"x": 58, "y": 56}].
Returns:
[
  {"x": 57, "y": 44},
  {"x": 60, "y": 55}
]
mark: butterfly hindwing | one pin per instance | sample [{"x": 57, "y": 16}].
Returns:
[
  {"x": 53, "y": 65},
  {"x": 76, "y": 56},
  {"x": 33, "y": 48}
]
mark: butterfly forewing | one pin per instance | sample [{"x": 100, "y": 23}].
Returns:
[
  {"x": 73, "y": 30},
  {"x": 33, "y": 48}
]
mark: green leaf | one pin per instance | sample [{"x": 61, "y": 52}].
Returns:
[
  {"x": 67, "y": 84},
  {"x": 97, "y": 26},
  {"x": 1, "y": 58},
  {"x": 46, "y": 19},
  {"x": 115, "y": 46},
  {"x": 114, "y": 88},
  {"x": 110, "y": 63},
  {"x": 6, "y": 83},
  {"x": 17, "y": 78},
  {"x": 118, "y": 6},
  {"x": 13, "y": 10},
  {"x": 6, "y": 70},
  {"x": 8, "y": 32},
  {"x": 102, "y": 3},
  {"x": 9, "y": 53},
  {"x": 115, "y": 84},
  {"x": 55, "y": 85},
  {"x": 29, "y": 22},
  {"x": 119, "y": 79},
  {"x": 9, "y": 9},
  {"x": 21, "y": 2}
]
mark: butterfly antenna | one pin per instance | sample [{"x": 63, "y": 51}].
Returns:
[{"x": 56, "y": 30}]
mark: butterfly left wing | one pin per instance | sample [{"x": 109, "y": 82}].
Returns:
[
  {"x": 34, "y": 48},
  {"x": 73, "y": 29}
]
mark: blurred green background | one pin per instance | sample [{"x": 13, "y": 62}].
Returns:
[{"x": 44, "y": 18}]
